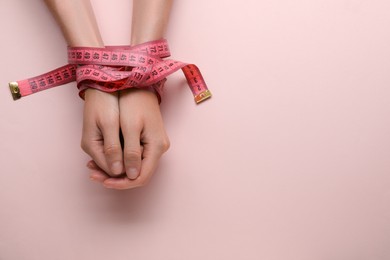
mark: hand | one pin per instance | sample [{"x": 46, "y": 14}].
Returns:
[
  {"x": 100, "y": 136},
  {"x": 145, "y": 140}
]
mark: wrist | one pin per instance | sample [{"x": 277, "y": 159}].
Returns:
[
  {"x": 92, "y": 93},
  {"x": 141, "y": 93}
]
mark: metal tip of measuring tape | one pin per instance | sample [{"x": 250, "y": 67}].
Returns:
[
  {"x": 202, "y": 96},
  {"x": 15, "y": 91}
]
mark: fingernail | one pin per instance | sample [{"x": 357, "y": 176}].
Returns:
[
  {"x": 116, "y": 168},
  {"x": 92, "y": 178},
  {"x": 132, "y": 173},
  {"x": 90, "y": 165}
]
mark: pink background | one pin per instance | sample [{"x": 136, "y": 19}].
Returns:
[{"x": 288, "y": 160}]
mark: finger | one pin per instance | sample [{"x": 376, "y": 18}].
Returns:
[
  {"x": 92, "y": 165},
  {"x": 92, "y": 144},
  {"x": 96, "y": 174},
  {"x": 101, "y": 112},
  {"x": 119, "y": 183},
  {"x": 149, "y": 165},
  {"x": 132, "y": 150},
  {"x": 112, "y": 147},
  {"x": 151, "y": 155}
]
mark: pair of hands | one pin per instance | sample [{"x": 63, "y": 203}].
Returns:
[{"x": 136, "y": 112}]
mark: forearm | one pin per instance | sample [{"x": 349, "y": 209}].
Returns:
[
  {"x": 77, "y": 22},
  {"x": 150, "y": 19}
]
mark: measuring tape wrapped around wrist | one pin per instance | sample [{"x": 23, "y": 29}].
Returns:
[{"x": 115, "y": 68}]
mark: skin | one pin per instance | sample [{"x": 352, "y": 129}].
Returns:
[{"x": 135, "y": 111}]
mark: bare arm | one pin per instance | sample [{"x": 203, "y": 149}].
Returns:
[
  {"x": 100, "y": 136},
  {"x": 150, "y": 19},
  {"x": 145, "y": 139},
  {"x": 77, "y": 22}
]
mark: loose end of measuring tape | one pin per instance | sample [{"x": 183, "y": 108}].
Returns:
[
  {"x": 202, "y": 96},
  {"x": 19, "y": 89},
  {"x": 196, "y": 83},
  {"x": 54, "y": 78},
  {"x": 15, "y": 91}
]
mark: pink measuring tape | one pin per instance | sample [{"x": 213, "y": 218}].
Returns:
[{"x": 115, "y": 68}]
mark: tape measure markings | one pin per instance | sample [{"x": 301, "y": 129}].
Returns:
[{"x": 116, "y": 68}]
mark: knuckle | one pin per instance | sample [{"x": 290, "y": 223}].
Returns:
[
  {"x": 132, "y": 154},
  {"x": 112, "y": 149},
  {"x": 163, "y": 145},
  {"x": 84, "y": 145}
]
